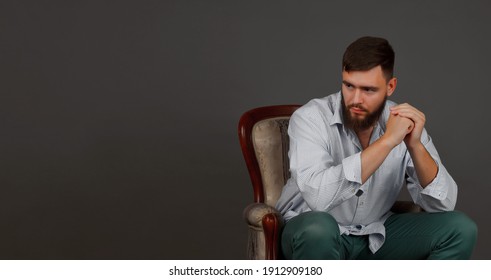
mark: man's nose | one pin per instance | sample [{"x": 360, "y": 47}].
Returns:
[{"x": 358, "y": 98}]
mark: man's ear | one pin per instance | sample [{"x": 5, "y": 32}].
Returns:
[{"x": 391, "y": 86}]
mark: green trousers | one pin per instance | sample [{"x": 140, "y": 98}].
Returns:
[{"x": 445, "y": 235}]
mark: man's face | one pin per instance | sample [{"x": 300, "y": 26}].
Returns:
[{"x": 364, "y": 95}]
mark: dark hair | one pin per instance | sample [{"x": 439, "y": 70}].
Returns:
[{"x": 367, "y": 53}]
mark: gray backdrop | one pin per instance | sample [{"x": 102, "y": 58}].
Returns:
[{"x": 119, "y": 118}]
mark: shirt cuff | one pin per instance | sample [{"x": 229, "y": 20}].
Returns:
[
  {"x": 352, "y": 168},
  {"x": 437, "y": 188}
]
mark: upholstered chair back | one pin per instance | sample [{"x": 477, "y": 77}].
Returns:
[
  {"x": 263, "y": 135},
  {"x": 271, "y": 143}
]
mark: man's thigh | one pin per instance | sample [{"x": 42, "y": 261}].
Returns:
[
  {"x": 311, "y": 235},
  {"x": 425, "y": 235}
]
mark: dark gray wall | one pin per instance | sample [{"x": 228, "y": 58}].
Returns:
[{"x": 119, "y": 118}]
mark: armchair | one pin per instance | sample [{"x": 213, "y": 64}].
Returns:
[{"x": 263, "y": 136}]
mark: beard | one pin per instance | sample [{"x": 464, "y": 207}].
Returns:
[{"x": 368, "y": 121}]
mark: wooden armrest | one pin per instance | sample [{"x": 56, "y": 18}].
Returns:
[{"x": 254, "y": 213}]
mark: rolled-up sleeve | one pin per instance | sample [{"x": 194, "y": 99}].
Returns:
[
  {"x": 441, "y": 194},
  {"x": 352, "y": 168}
]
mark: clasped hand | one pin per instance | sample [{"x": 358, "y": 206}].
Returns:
[{"x": 406, "y": 124}]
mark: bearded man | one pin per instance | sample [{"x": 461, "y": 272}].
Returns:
[{"x": 350, "y": 155}]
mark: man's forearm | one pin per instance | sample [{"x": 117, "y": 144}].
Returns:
[
  {"x": 425, "y": 166},
  {"x": 373, "y": 156}
]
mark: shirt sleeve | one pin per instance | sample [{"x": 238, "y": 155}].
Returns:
[
  {"x": 441, "y": 194},
  {"x": 322, "y": 183}
]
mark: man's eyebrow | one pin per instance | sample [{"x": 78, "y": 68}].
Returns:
[
  {"x": 346, "y": 83},
  {"x": 369, "y": 88},
  {"x": 362, "y": 87}
]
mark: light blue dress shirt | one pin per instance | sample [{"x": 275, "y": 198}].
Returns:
[{"x": 325, "y": 167}]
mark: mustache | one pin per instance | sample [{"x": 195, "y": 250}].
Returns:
[{"x": 357, "y": 106}]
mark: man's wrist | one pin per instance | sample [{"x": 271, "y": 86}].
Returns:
[
  {"x": 388, "y": 141},
  {"x": 413, "y": 147}
]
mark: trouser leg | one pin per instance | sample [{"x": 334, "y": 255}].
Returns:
[
  {"x": 445, "y": 235},
  {"x": 311, "y": 235}
]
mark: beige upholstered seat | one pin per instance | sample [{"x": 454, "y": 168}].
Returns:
[{"x": 264, "y": 141}]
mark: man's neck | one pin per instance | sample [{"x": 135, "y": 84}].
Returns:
[{"x": 364, "y": 136}]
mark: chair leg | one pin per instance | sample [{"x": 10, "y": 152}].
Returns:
[{"x": 272, "y": 224}]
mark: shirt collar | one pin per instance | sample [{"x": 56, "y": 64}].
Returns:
[{"x": 337, "y": 117}]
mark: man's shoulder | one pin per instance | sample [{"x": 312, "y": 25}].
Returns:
[
  {"x": 320, "y": 107},
  {"x": 390, "y": 103}
]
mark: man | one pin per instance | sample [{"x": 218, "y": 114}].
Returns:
[{"x": 350, "y": 155}]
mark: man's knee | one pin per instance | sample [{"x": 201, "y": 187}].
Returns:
[
  {"x": 460, "y": 237},
  {"x": 318, "y": 226},
  {"x": 463, "y": 226}
]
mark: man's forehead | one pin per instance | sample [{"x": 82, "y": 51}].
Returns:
[{"x": 370, "y": 78}]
